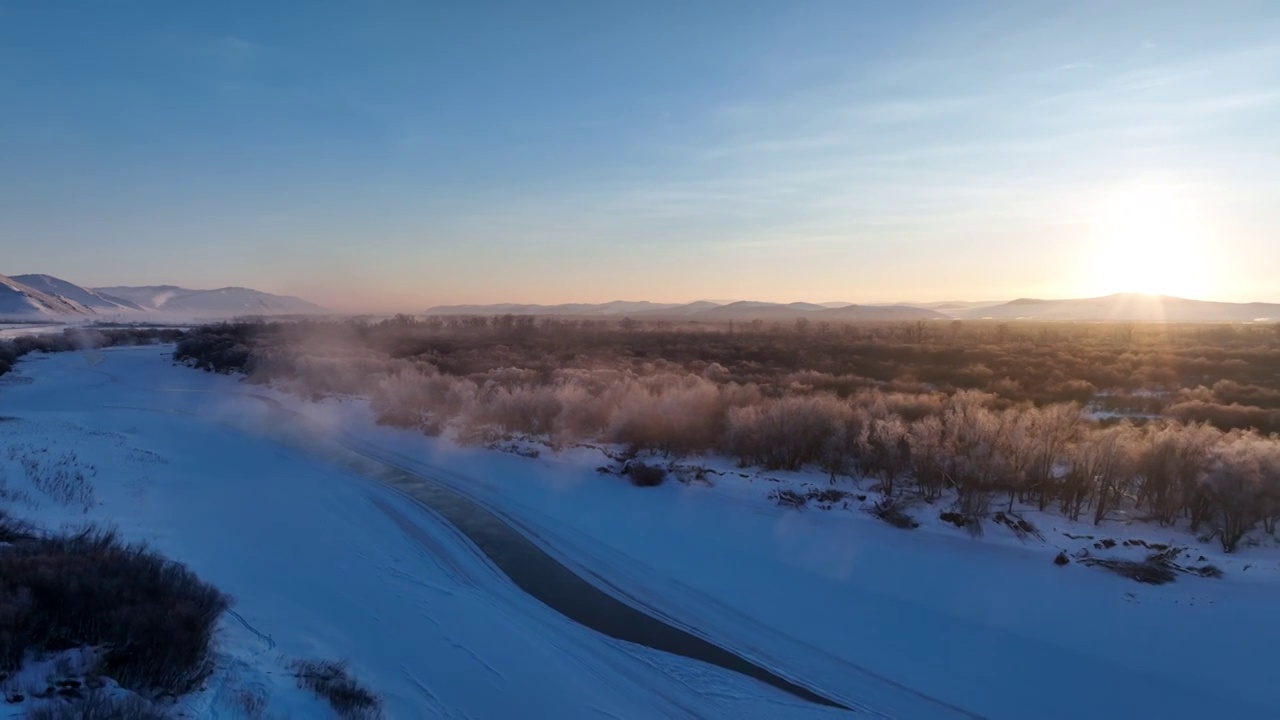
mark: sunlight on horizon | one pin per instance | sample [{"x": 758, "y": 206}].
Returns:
[{"x": 1150, "y": 238}]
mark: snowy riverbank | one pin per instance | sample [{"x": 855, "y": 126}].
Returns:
[{"x": 326, "y": 563}]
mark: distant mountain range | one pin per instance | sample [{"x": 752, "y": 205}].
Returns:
[
  {"x": 41, "y": 297},
  {"x": 27, "y": 297},
  {"x": 1121, "y": 307},
  {"x": 1127, "y": 307},
  {"x": 706, "y": 310}
]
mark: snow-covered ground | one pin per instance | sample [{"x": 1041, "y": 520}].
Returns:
[{"x": 325, "y": 562}]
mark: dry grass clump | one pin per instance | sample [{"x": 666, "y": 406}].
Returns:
[{"x": 153, "y": 617}]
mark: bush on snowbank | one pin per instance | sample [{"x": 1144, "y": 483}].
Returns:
[
  {"x": 643, "y": 475},
  {"x": 153, "y": 617},
  {"x": 332, "y": 681}
]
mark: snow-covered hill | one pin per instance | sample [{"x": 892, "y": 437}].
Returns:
[
  {"x": 97, "y": 301},
  {"x": 20, "y": 301},
  {"x": 37, "y": 296},
  {"x": 150, "y": 298}
]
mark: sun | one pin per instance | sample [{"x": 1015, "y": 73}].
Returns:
[{"x": 1148, "y": 239}]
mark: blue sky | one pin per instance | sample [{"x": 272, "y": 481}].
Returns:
[{"x": 393, "y": 155}]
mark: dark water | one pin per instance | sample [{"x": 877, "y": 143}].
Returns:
[{"x": 546, "y": 579}]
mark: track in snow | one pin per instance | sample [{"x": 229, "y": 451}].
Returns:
[{"x": 539, "y": 574}]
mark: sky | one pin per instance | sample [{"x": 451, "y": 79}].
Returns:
[{"x": 390, "y": 155}]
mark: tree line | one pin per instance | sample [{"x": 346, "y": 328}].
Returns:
[{"x": 979, "y": 448}]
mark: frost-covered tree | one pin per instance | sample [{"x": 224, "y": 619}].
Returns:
[{"x": 1240, "y": 469}]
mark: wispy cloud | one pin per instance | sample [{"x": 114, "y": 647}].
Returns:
[
  {"x": 773, "y": 146},
  {"x": 841, "y": 161},
  {"x": 911, "y": 110}
]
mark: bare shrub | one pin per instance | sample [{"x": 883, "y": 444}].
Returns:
[
  {"x": 642, "y": 475},
  {"x": 930, "y": 450},
  {"x": 1054, "y": 429},
  {"x": 1097, "y": 470},
  {"x": 1154, "y": 570},
  {"x": 583, "y": 414},
  {"x": 1243, "y": 469},
  {"x": 1208, "y": 571},
  {"x": 789, "y": 498},
  {"x": 417, "y": 396},
  {"x": 14, "y": 530},
  {"x": 786, "y": 434},
  {"x": 893, "y": 511},
  {"x": 251, "y": 702},
  {"x": 1170, "y": 463},
  {"x": 827, "y": 496},
  {"x": 332, "y": 681},
  {"x": 1227, "y": 417},
  {"x": 670, "y": 414},
  {"x": 1020, "y": 526},
  {"x": 910, "y": 406},
  {"x": 973, "y": 506},
  {"x": 521, "y": 409},
  {"x": 886, "y": 451},
  {"x": 1157, "y": 568},
  {"x": 154, "y": 616},
  {"x": 62, "y": 478}
]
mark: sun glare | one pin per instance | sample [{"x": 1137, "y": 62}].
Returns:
[{"x": 1150, "y": 240}]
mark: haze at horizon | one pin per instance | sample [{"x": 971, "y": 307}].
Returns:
[{"x": 411, "y": 155}]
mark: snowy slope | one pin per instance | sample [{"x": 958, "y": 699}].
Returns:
[
  {"x": 911, "y": 624},
  {"x": 36, "y": 296},
  {"x": 99, "y": 302},
  {"x": 325, "y": 563},
  {"x": 150, "y": 297},
  {"x": 22, "y": 302}
]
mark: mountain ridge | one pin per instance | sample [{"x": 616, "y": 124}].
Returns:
[
  {"x": 87, "y": 297},
  {"x": 231, "y": 299},
  {"x": 1127, "y": 307},
  {"x": 19, "y": 301},
  {"x": 40, "y": 296},
  {"x": 744, "y": 310},
  {"x": 1119, "y": 307}
]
